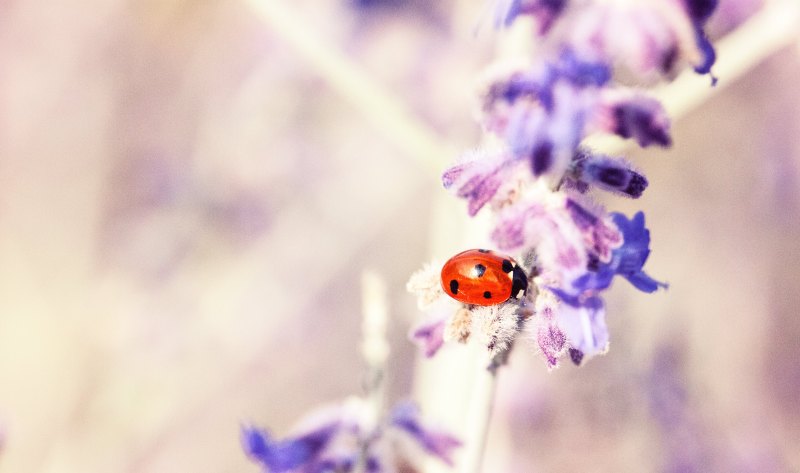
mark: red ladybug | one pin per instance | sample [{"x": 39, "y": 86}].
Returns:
[{"x": 483, "y": 277}]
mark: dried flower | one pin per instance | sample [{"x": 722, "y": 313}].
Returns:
[
  {"x": 425, "y": 284},
  {"x": 495, "y": 326}
]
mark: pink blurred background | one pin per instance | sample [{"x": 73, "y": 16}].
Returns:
[{"x": 190, "y": 192}]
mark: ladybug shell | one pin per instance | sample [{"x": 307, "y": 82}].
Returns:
[{"x": 483, "y": 277}]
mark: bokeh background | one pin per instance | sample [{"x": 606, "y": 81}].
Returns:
[{"x": 190, "y": 191}]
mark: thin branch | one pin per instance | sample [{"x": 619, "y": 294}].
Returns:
[
  {"x": 379, "y": 105},
  {"x": 774, "y": 27},
  {"x": 480, "y": 415},
  {"x": 375, "y": 350}
]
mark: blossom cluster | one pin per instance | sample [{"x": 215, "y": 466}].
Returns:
[
  {"x": 343, "y": 439},
  {"x": 537, "y": 177}
]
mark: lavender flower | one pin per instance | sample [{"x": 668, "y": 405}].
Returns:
[
  {"x": 545, "y": 329},
  {"x": 584, "y": 324},
  {"x": 648, "y": 37},
  {"x": 609, "y": 173},
  {"x": 537, "y": 182},
  {"x": 340, "y": 438},
  {"x": 430, "y": 335},
  {"x": 480, "y": 177},
  {"x": 629, "y": 114},
  {"x": 626, "y": 261},
  {"x": 290, "y": 454},
  {"x": 406, "y": 417}
]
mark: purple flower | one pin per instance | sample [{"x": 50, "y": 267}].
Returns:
[
  {"x": 540, "y": 113},
  {"x": 599, "y": 237},
  {"x": 337, "y": 439},
  {"x": 551, "y": 341},
  {"x": 632, "y": 115},
  {"x": 566, "y": 235},
  {"x": 289, "y": 454},
  {"x": 430, "y": 336},
  {"x": 406, "y": 417},
  {"x": 643, "y": 121},
  {"x": 709, "y": 56},
  {"x": 608, "y": 173},
  {"x": 626, "y": 261},
  {"x": 699, "y": 12},
  {"x": 582, "y": 72},
  {"x": 537, "y": 83},
  {"x": 479, "y": 178},
  {"x": 647, "y": 38},
  {"x": 584, "y": 324}
]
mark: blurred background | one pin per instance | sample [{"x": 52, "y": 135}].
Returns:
[{"x": 190, "y": 191}]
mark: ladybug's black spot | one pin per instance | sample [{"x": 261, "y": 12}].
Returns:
[
  {"x": 483, "y": 251},
  {"x": 507, "y": 266},
  {"x": 454, "y": 286},
  {"x": 487, "y": 295},
  {"x": 479, "y": 270},
  {"x": 576, "y": 356}
]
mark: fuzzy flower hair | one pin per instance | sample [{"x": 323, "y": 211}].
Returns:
[
  {"x": 538, "y": 182},
  {"x": 341, "y": 439}
]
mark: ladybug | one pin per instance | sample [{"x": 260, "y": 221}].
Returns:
[{"x": 483, "y": 277}]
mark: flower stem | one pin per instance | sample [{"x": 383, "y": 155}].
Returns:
[
  {"x": 480, "y": 412},
  {"x": 375, "y": 350},
  {"x": 388, "y": 114},
  {"x": 478, "y": 426}
]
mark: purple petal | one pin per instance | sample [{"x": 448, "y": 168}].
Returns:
[
  {"x": 599, "y": 236},
  {"x": 551, "y": 341},
  {"x": 585, "y": 327},
  {"x": 477, "y": 181},
  {"x": 429, "y": 336},
  {"x": 405, "y": 416},
  {"x": 642, "y": 119},
  {"x": 608, "y": 173},
  {"x": 542, "y": 158},
  {"x": 700, "y": 10},
  {"x": 576, "y": 356},
  {"x": 582, "y": 73},
  {"x": 344, "y": 464},
  {"x": 632, "y": 255},
  {"x": 285, "y": 455},
  {"x": 584, "y": 219},
  {"x": 533, "y": 85},
  {"x": 626, "y": 261},
  {"x": 709, "y": 56},
  {"x": 509, "y": 232}
]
